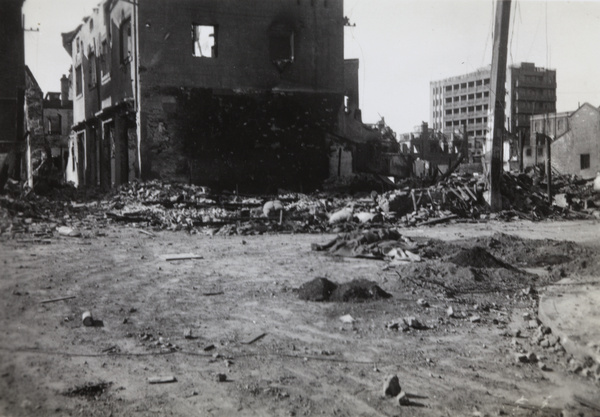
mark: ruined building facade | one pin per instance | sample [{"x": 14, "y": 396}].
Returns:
[
  {"x": 575, "y": 139},
  {"x": 12, "y": 80},
  {"x": 218, "y": 92}
]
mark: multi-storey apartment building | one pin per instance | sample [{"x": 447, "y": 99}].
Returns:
[
  {"x": 530, "y": 90},
  {"x": 462, "y": 101}
]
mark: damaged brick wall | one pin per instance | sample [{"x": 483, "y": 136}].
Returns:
[
  {"x": 253, "y": 109},
  {"x": 253, "y": 141}
]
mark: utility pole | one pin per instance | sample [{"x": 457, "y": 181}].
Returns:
[{"x": 493, "y": 148}]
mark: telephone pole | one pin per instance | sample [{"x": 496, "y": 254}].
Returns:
[{"x": 493, "y": 147}]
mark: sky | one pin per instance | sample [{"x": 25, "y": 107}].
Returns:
[{"x": 402, "y": 46}]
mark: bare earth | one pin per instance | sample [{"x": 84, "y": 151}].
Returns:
[{"x": 309, "y": 362}]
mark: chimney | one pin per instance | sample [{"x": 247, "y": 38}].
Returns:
[{"x": 64, "y": 90}]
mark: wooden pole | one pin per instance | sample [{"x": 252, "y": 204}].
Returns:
[
  {"x": 549, "y": 169},
  {"x": 497, "y": 102}
]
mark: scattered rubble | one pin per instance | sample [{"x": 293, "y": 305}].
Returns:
[{"x": 322, "y": 289}]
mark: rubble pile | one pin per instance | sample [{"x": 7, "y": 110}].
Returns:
[{"x": 166, "y": 206}]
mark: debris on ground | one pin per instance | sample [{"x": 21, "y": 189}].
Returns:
[
  {"x": 322, "y": 289},
  {"x": 90, "y": 391}
]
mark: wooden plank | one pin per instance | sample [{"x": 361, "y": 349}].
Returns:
[
  {"x": 146, "y": 233},
  {"x": 208, "y": 294},
  {"x": 53, "y": 300},
  {"x": 594, "y": 405},
  {"x": 162, "y": 379},
  {"x": 257, "y": 338},
  {"x": 438, "y": 220},
  {"x": 182, "y": 257}
]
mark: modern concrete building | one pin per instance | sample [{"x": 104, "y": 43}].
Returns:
[
  {"x": 575, "y": 137},
  {"x": 465, "y": 100},
  {"x": 530, "y": 90},
  {"x": 218, "y": 92},
  {"x": 462, "y": 101}
]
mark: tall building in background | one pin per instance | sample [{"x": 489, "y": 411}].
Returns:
[
  {"x": 465, "y": 100},
  {"x": 460, "y": 101},
  {"x": 531, "y": 90}
]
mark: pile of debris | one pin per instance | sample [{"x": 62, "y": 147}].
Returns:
[{"x": 165, "y": 206}]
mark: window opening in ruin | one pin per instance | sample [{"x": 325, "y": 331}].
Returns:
[
  {"x": 105, "y": 58},
  {"x": 92, "y": 69},
  {"x": 281, "y": 45},
  {"x": 584, "y": 160},
  {"x": 204, "y": 38},
  {"x": 126, "y": 41},
  {"x": 78, "y": 80}
]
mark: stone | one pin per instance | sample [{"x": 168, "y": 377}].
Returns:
[
  {"x": 272, "y": 208},
  {"x": 545, "y": 343},
  {"x": 521, "y": 358},
  {"x": 187, "y": 334},
  {"x": 475, "y": 319},
  {"x": 543, "y": 366},
  {"x": 422, "y": 302},
  {"x": 450, "y": 312},
  {"x": 342, "y": 215},
  {"x": 221, "y": 377},
  {"x": 532, "y": 324},
  {"x": 391, "y": 386},
  {"x": 68, "y": 231},
  {"x": 526, "y": 316},
  {"x": 553, "y": 339},
  {"x": 532, "y": 358},
  {"x": 403, "y": 399},
  {"x": 414, "y": 323}
]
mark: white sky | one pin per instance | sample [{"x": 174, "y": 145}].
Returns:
[{"x": 402, "y": 45}]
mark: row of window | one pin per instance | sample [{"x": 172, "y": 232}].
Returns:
[
  {"x": 466, "y": 97},
  {"x": 459, "y": 86},
  {"x": 463, "y": 122},
  {"x": 463, "y": 110}
]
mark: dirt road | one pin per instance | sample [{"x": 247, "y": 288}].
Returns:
[{"x": 200, "y": 321}]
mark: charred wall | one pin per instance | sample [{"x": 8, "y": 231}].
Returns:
[{"x": 255, "y": 141}]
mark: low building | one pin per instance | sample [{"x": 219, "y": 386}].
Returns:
[
  {"x": 58, "y": 119},
  {"x": 433, "y": 148},
  {"x": 575, "y": 140}
]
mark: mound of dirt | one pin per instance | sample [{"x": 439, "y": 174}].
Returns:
[
  {"x": 359, "y": 290},
  {"x": 319, "y": 289},
  {"x": 90, "y": 391},
  {"x": 476, "y": 257},
  {"x": 322, "y": 289}
]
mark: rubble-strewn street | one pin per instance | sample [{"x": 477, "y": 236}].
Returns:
[{"x": 167, "y": 299}]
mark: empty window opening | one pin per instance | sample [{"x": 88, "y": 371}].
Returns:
[
  {"x": 204, "y": 38},
  {"x": 78, "y": 80},
  {"x": 105, "y": 58},
  {"x": 281, "y": 45},
  {"x": 584, "y": 160},
  {"x": 126, "y": 41},
  {"x": 528, "y": 152}
]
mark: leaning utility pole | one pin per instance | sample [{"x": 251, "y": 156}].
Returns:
[{"x": 493, "y": 147}]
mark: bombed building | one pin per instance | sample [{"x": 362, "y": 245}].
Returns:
[{"x": 228, "y": 92}]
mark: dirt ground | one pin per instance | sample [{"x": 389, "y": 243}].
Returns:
[{"x": 201, "y": 321}]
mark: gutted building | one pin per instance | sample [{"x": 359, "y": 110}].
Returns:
[
  {"x": 575, "y": 141},
  {"x": 220, "y": 92},
  {"x": 12, "y": 85},
  {"x": 58, "y": 119}
]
